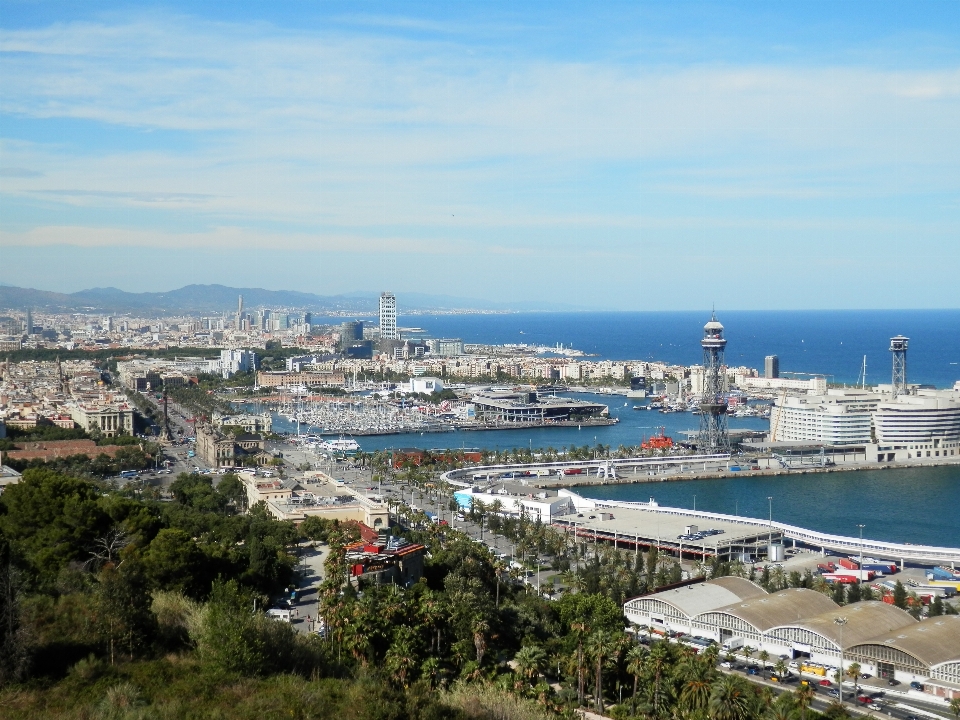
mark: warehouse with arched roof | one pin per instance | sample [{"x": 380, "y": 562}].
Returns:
[
  {"x": 674, "y": 610},
  {"x": 751, "y": 618},
  {"x": 927, "y": 651},
  {"x": 820, "y": 637}
]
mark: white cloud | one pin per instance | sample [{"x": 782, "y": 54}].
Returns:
[{"x": 345, "y": 142}]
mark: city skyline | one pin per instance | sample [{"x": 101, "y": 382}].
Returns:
[{"x": 665, "y": 156}]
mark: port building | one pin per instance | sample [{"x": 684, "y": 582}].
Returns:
[
  {"x": 924, "y": 424},
  {"x": 835, "y": 417},
  {"x": 754, "y": 617},
  {"x": 512, "y": 406},
  {"x": 810, "y": 628},
  {"x": 669, "y": 531},
  {"x": 674, "y": 610},
  {"x": 927, "y": 651}
]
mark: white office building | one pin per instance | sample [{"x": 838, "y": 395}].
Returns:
[
  {"x": 837, "y": 417},
  {"x": 921, "y": 425},
  {"x": 388, "y": 316}
]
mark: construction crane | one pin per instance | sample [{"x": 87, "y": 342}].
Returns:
[{"x": 776, "y": 423}]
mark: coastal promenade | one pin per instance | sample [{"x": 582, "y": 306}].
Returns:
[{"x": 605, "y": 471}]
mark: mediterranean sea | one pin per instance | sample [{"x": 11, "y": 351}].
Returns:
[{"x": 832, "y": 343}]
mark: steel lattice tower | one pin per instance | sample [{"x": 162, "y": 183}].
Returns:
[
  {"x": 714, "y": 436},
  {"x": 898, "y": 346}
]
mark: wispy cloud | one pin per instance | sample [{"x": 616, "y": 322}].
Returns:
[{"x": 413, "y": 135}]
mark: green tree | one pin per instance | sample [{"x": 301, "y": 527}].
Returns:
[
  {"x": 635, "y": 657},
  {"x": 173, "y": 561},
  {"x": 123, "y": 609},
  {"x": 14, "y": 649},
  {"x": 730, "y": 699},
  {"x": 530, "y": 661},
  {"x": 228, "y": 637},
  {"x": 803, "y": 696},
  {"x": 50, "y": 519},
  {"x": 936, "y": 606},
  {"x": 900, "y": 596},
  {"x": 601, "y": 645}
]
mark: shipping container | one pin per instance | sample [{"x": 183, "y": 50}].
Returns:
[
  {"x": 881, "y": 568},
  {"x": 849, "y": 564},
  {"x": 840, "y": 578},
  {"x": 827, "y": 567}
]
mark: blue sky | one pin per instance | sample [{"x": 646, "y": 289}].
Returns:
[{"x": 613, "y": 155}]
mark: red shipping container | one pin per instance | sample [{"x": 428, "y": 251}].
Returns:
[{"x": 849, "y": 564}]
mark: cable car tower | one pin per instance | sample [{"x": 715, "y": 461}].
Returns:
[
  {"x": 714, "y": 436},
  {"x": 898, "y": 346}
]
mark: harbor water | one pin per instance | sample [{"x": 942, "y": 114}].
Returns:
[
  {"x": 634, "y": 426},
  {"x": 905, "y": 505}
]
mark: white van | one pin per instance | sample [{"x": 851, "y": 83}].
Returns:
[{"x": 282, "y": 614}]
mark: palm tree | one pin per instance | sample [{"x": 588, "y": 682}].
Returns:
[
  {"x": 656, "y": 668},
  {"x": 579, "y": 630},
  {"x": 730, "y": 699},
  {"x": 803, "y": 696},
  {"x": 764, "y": 656},
  {"x": 696, "y": 690},
  {"x": 955, "y": 707},
  {"x": 530, "y": 660},
  {"x": 853, "y": 672},
  {"x": 480, "y": 629},
  {"x": 400, "y": 657},
  {"x": 636, "y": 656},
  {"x": 600, "y": 646},
  {"x": 780, "y": 668}
]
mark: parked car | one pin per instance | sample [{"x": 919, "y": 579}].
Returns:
[
  {"x": 891, "y": 682},
  {"x": 916, "y": 686},
  {"x": 825, "y": 683}
]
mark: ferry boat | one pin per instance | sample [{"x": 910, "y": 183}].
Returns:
[{"x": 340, "y": 445}]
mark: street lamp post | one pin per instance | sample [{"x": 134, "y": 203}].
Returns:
[
  {"x": 770, "y": 525},
  {"x": 841, "y": 621},
  {"x": 861, "y": 550}
]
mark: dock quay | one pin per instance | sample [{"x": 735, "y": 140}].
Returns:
[{"x": 607, "y": 471}]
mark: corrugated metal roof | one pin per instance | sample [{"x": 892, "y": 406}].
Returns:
[
  {"x": 932, "y": 641},
  {"x": 692, "y": 600},
  {"x": 865, "y": 620},
  {"x": 785, "y": 607}
]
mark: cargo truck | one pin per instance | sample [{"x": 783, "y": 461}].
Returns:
[
  {"x": 842, "y": 578},
  {"x": 942, "y": 573},
  {"x": 827, "y": 567},
  {"x": 734, "y": 643},
  {"x": 881, "y": 568}
]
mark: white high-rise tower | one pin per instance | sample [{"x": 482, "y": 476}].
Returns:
[{"x": 388, "y": 316}]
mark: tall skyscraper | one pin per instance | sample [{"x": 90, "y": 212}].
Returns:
[
  {"x": 771, "y": 366},
  {"x": 240, "y": 312},
  {"x": 714, "y": 436},
  {"x": 388, "y": 316},
  {"x": 28, "y": 323}
]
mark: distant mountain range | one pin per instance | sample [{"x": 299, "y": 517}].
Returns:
[{"x": 220, "y": 299}]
